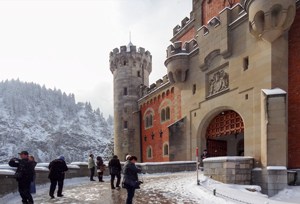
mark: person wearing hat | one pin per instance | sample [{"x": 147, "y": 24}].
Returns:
[
  {"x": 57, "y": 169},
  {"x": 130, "y": 180},
  {"x": 24, "y": 175}
]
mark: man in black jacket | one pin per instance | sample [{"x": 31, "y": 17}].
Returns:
[
  {"x": 24, "y": 176},
  {"x": 57, "y": 168},
  {"x": 130, "y": 180},
  {"x": 115, "y": 168}
]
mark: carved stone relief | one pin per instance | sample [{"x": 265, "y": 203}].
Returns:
[{"x": 218, "y": 82}]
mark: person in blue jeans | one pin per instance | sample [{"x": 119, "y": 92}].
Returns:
[{"x": 130, "y": 181}]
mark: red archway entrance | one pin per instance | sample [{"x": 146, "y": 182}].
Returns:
[{"x": 225, "y": 135}]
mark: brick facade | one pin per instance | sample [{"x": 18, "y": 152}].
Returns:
[
  {"x": 157, "y": 134},
  {"x": 294, "y": 94},
  {"x": 211, "y": 8}
]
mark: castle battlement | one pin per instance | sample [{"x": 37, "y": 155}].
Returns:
[
  {"x": 130, "y": 56},
  {"x": 214, "y": 37},
  {"x": 178, "y": 49},
  {"x": 178, "y": 28},
  {"x": 155, "y": 86}
]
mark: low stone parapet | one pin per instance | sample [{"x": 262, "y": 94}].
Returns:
[
  {"x": 162, "y": 167},
  {"x": 233, "y": 170}
]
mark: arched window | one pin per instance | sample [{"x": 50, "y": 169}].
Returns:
[
  {"x": 150, "y": 120},
  {"x": 149, "y": 152},
  {"x": 166, "y": 150},
  {"x": 168, "y": 113},
  {"x": 163, "y": 115}
]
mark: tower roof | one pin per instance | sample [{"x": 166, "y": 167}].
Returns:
[{"x": 128, "y": 46}]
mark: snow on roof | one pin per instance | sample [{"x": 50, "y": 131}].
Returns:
[
  {"x": 6, "y": 166},
  {"x": 41, "y": 168},
  {"x": 73, "y": 166},
  {"x": 42, "y": 164},
  {"x": 7, "y": 172},
  {"x": 166, "y": 163},
  {"x": 79, "y": 163},
  {"x": 276, "y": 167},
  {"x": 276, "y": 91},
  {"x": 228, "y": 158}
]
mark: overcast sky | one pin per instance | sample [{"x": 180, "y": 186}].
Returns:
[{"x": 66, "y": 43}]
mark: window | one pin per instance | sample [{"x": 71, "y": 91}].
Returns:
[
  {"x": 168, "y": 113},
  {"x": 149, "y": 152},
  {"x": 125, "y": 124},
  {"x": 125, "y": 91},
  {"x": 163, "y": 115},
  {"x": 246, "y": 63},
  {"x": 138, "y": 73},
  {"x": 166, "y": 149},
  {"x": 149, "y": 121},
  {"x": 194, "y": 89}
]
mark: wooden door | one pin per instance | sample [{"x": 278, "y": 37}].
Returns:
[{"x": 216, "y": 148}]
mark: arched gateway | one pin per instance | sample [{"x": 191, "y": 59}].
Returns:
[{"x": 225, "y": 135}]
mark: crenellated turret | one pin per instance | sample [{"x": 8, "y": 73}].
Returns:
[
  {"x": 177, "y": 61},
  {"x": 269, "y": 19},
  {"x": 128, "y": 55}
]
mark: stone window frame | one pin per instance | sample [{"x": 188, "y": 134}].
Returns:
[
  {"x": 166, "y": 144},
  {"x": 165, "y": 110},
  {"x": 149, "y": 152},
  {"x": 148, "y": 118}
]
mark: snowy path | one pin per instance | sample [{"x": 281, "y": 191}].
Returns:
[{"x": 177, "y": 188}]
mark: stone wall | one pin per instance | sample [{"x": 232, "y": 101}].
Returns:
[
  {"x": 234, "y": 170},
  {"x": 271, "y": 179}
]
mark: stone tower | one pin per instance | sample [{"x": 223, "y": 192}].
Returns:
[{"x": 131, "y": 69}]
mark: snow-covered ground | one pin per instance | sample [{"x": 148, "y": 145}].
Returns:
[{"x": 167, "y": 188}]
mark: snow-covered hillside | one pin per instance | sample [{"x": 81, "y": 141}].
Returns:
[{"x": 49, "y": 123}]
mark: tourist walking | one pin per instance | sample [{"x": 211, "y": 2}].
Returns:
[
  {"x": 100, "y": 168},
  {"x": 91, "y": 167},
  {"x": 115, "y": 168},
  {"x": 24, "y": 175},
  {"x": 130, "y": 181},
  {"x": 32, "y": 184},
  {"x": 57, "y": 169},
  {"x": 204, "y": 155}
]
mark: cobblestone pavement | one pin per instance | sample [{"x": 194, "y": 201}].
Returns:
[{"x": 156, "y": 189}]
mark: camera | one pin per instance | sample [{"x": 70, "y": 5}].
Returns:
[{"x": 138, "y": 184}]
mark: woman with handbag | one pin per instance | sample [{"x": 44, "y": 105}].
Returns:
[
  {"x": 100, "y": 168},
  {"x": 131, "y": 181}
]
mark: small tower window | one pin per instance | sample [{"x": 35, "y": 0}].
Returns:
[
  {"x": 194, "y": 89},
  {"x": 125, "y": 91},
  {"x": 168, "y": 113},
  {"x": 149, "y": 152},
  {"x": 139, "y": 73},
  {"x": 125, "y": 124},
  {"x": 124, "y": 63},
  {"x": 166, "y": 149},
  {"x": 246, "y": 63}
]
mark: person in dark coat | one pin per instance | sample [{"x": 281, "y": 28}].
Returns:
[
  {"x": 24, "y": 176},
  {"x": 204, "y": 155},
  {"x": 32, "y": 184},
  {"x": 100, "y": 168},
  {"x": 115, "y": 169},
  {"x": 130, "y": 180},
  {"x": 57, "y": 169}
]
